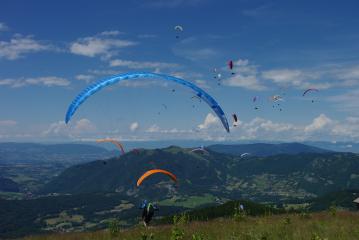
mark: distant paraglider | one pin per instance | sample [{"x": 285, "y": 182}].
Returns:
[
  {"x": 196, "y": 97},
  {"x": 230, "y": 66},
  {"x": 310, "y": 90},
  {"x": 179, "y": 30},
  {"x": 254, "y": 100},
  {"x": 115, "y": 142},
  {"x": 199, "y": 150},
  {"x": 217, "y": 75},
  {"x": 154, "y": 171},
  {"x": 276, "y": 98},
  {"x": 235, "y": 120},
  {"x": 93, "y": 88}
]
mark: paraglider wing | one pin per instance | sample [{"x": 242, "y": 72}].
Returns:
[
  {"x": 117, "y": 143},
  {"x": 276, "y": 98},
  {"x": 310, "y": 89},
  {"x": 235, "y": 120},
  {"x": 93, "y": 88},
  {"x": 179, "y": 28},
  {"x": 230, "y": 64},
  {"x": 154, "y": 171},
  {"x": 201, "y": 149},
  {"x": 235, "y": 117}
]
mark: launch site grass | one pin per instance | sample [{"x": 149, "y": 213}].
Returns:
[{"x": 328, "y": 225}]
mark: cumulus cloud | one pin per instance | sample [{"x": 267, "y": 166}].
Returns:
[
  {"x": 49, "y": 81},
  {"x": 20, "y": 45},
  {"x": 134, "y": 126},
  {"x": 209, "y": 121},
  {"x": 318, "y": 123},
  {"x": 246, "y": 76},
  {"x": 104, "y": 45}
]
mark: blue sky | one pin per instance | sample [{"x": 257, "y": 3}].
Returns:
[{"x": 50, "y": 51}]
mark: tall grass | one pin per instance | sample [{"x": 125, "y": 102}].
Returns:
[{"x": 319, "y": 226}]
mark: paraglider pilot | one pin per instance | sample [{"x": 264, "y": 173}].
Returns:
[{"x": 148, "y": 212}]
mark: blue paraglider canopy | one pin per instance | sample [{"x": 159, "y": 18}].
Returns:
[{"x": 93, "y": 88}]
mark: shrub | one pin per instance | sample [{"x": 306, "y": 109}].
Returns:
[{"x": 114, "y": 227}]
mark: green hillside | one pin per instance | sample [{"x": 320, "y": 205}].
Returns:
[{"x": 273, "y": 178}]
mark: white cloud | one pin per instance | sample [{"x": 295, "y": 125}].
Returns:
[
  {"x": 103, "y": 45},
  {"x": 202, "y": 83},
  {"x": 80, "y": 128},
  {"x": 135, "y": 83},
  {"x": 153, "y": 129},
  {"x": 349, "y": 76},
  {"x": 141, "y": 65},
  {"x": 3, "y": 27},
  {"x": 102, "y": 72},
  {"x": 349, "y": 129},
  {"x": 20, "y": 45},
  {"x": 84, "y": 77},
  {"x": 284, "y": 76},
  {"x": 7, "y": 123},
  {"x": 323, "y": 77},
  {"x": 49, "y": 81},
  {"x": 300, "y": 79},
  {"x": 134, "y": 126},
  {"x": 209, "y": 121},
  {"x": 318, "y": 123},
  {"x": 245, "y": 76},
  {"x": 111, "y": 33}
]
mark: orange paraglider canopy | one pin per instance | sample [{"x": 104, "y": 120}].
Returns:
[
  {"x": 117, "y": 143},
  {"x": 153, "y": 171}
]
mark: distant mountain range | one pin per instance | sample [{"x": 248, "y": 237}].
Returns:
[
  {"x": 266, "y": 149},
  {"x": 271, "y": 178},
  {"x": 15, "y": 153}
]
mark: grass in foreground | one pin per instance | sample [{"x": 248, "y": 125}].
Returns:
[{"x": 319, "y": 226}]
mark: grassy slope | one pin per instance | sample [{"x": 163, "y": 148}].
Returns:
[{"x": 344, "y": 225}]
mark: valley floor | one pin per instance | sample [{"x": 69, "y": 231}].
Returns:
[{"x": 341, "y": 225}]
